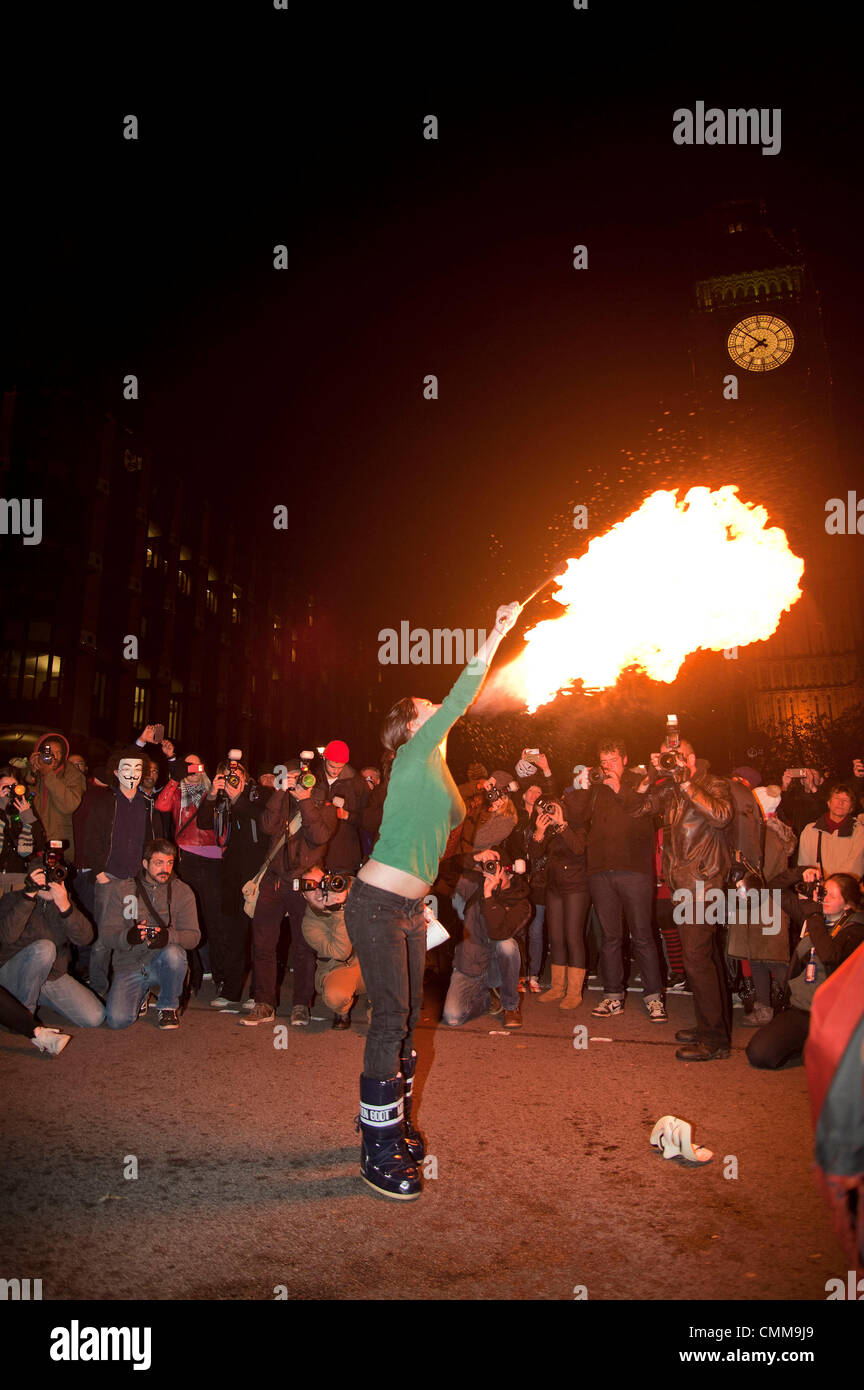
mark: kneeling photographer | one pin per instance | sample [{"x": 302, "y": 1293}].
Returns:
[
  {"x": 149, "y": 945},
  {"x": 488, "y": 960},
  {"x": 831, "y": 916},
  {"x": 337, "y": 976},
  {"x": 37, "y": 926}
]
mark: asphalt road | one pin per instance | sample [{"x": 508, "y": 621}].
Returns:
[{"x": 247, "y": 1177}]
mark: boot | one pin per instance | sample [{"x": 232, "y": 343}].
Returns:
[
  {"x": 575, "y": 980},
  {"x": 413, "y": 1138},
  {"x": 385, "y": 1163},
  {"x": 557, "y": 987}
]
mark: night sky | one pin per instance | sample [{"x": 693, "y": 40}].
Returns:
[{"x": 410, "y": 257}]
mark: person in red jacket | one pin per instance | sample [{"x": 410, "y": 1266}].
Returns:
[{"x": 199, "y": 854}]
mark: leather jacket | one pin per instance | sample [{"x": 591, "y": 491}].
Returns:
[{"x": 695, "y": 839}]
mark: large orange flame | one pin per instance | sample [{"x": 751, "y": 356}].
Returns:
[{"x": 672, "y": 578}]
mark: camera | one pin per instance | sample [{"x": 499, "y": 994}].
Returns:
[
  {"x": 815, "y": 891},
  {"x": 306, "y": 777},
  {"x": 669, "y": 761},
  {"x": 54, "y": 863},
  {"x": 330, "y": 883},
  {"x": 596, "y": 775},
  {"x": 232, "y": 776},
  {"x": 46, "y": 754},
  {"x": 152, "y": 930},
  {"x": 547, "y": 807},
  {"x": 494, "y": 793},
  {"x": 672, "y": 738}
]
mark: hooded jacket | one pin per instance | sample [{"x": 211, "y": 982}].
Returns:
[
  {"x": 57, "y": 795},
  {"x": 488, "y": 920}
]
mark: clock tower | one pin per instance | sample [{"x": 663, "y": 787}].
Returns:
[{"x": 762, "y": 386}]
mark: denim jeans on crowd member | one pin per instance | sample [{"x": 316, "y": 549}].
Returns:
[
  {"x": 277, "y": 899},
  {"x": 388, "y": 933},
  {"x": 165, "y": 972},
  {"x": 468, "y": 996},
  {"x": 535, "y": 940},
  {"x": 26, "y": 976},
  {"x": 617, "y": 895}
]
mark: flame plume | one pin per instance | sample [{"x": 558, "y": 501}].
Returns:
[{"x": 672, "y": 578}]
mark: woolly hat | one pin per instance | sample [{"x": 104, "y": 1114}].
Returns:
[{"x": 337, "y": 751}]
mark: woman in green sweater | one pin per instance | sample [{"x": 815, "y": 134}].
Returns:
[{"x": 384, "y": 915}]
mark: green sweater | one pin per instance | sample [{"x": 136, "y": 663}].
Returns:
[{"x": 423, "y": 803}]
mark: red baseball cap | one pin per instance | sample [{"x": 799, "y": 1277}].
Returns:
[{"x": 337, "y": 751}]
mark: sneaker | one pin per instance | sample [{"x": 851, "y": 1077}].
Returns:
[
  {"x": 259, "y": 1013},
  {"x": 168, "y": 1018},
  {"x": 495, "y": 1005},
  {"x": 677, "y": 981},
  {"x": 609, "y": 1008},
  {"x": 250, "y": 1004},
  {"x": 656, "y": 1011},
  {"x": 299, "y": 1016},
  {"x": 50, "y": 1040},
  {"x": 223, "y": 1002},
  {"x": 534, "y": 985},
  {"x": 207, "y": 977},
  {"x": 512, "y": 1018}
]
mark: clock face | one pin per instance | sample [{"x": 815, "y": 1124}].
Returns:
[{"x": 761, "y": 343}]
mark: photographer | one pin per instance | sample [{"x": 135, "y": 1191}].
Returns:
[
  {"x": 621, "y": 880},
  {"x": 488, "y": 958},
  {"x": 21, "y": 832},
  {"x": 696, "y": 808},
  {"x": 232, "y": 809},
  {"x": 835, "y": 842},
  {"x": 198, "y": 854},
  {"x": 337, "y": 977},
  {"x": 832, "y": 929},
  {"x": 556, "y": 850},
  {"x": 801, "y": 801},
  {"x": 307, "y": 822},
  {"x": 350, "y": 795},
  {"x": 58, "y": 787},
  {"x": 151, "y": 942},
  {"x": 37, "y": 926},
  {"x": 373, "y": 810},
  {"x": 494, "y": 822}
]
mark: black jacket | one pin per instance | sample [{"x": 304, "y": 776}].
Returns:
[
  {"x": 344, "y": 851},
  {"x": 558, "y": 863},
  {"x": 617, "y": 840},
  {"x": 488, "y": 920},
  {"x": 308, "y": 844},
  {"x": 244, "y": 842},
  {"x": 98, "y": 827}
]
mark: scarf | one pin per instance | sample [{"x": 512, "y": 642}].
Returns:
[{"x": 192, "y": 794}]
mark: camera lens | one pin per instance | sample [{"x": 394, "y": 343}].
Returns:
[{"x": 596, "y": 775}]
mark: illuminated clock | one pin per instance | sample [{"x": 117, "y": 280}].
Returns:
[{"x": 761, "y": 343}]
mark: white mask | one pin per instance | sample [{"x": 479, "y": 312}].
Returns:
[{"x": 129, "y": 772}]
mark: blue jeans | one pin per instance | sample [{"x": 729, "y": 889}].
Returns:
[
  {"x": 388, "y": 933},
  {"x": 165, "y": 971},
  {"x": 618, "y": 894},
  {"x": 535, "y": 940},
  {"x": 468, "y": 996},
  {"x": 26, "y": 976}
]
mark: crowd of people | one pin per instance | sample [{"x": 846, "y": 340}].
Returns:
[{"x": 136, "y": 881}]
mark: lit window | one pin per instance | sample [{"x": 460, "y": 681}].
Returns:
[
  {"x": 138, "y": 705},
  {"x": 184, "y": 584}
]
